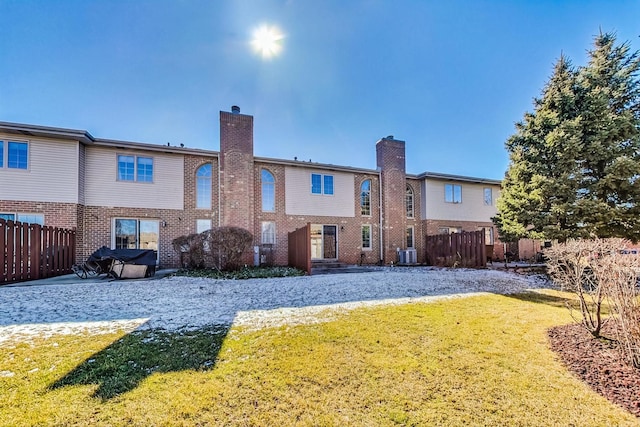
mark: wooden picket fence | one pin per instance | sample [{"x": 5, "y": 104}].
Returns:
[
  {"x": 300, "y": 248},
  {"x": 466, "y": 249},
  {"x": 31, "y": 251}
]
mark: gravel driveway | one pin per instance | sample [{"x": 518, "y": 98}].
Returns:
[{"x": 181, "y": 302}]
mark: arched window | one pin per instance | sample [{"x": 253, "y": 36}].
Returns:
[
  {"x": 408, "y": 201},
  {"x": 268, "y": 191},
  {"x": 365, "y": 197},
  {"x": 203, "y": 187}
]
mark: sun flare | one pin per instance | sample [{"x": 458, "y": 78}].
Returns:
[{"x": 267, "y": 41}]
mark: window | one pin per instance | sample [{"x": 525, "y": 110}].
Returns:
[
  {"x": 365, "y": 198},
  {"x": 408, "y": 202},
  {"x": 145, "y": 169},
  {"x": 23, "y": 217},
  {"x": 131, "y": 233},
  {"x": 268, "y": 232},
  {"x": 488, "y": 235},
  {"x": 366, "y": 236},
  {"x": 488, "y": 196},
  {"x": 410, "y": 237},
  {"x": 203, "y": 187},
  {"x": 321, "y": 184},
  {"x": 452, "y": 193},
  {"x": 203, "y": 225},
  {"x": 449, "y": 230},
  {"x": 268, "y": 191},
  {"x": 328, "y": 184},
  {"x": 133, "y": 168},
  {"x": 31, "y": 218},
  {"x": 17, "y": 154}
]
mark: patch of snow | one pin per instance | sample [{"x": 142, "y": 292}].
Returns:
[{"x": 176, "y": 303}]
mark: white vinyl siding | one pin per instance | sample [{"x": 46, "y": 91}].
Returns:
[
  {"x": 51, "y": 176},
  {"x": 299, "y": 200},
  {"x": 103, "y": 189},
  {"x": 472, "y": 207}
]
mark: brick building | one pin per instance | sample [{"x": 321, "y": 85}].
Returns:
[{"x": 135, "y": 195}]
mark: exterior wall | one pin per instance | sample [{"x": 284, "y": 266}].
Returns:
[
  {"x": 103, "y": 189},
  {"x": 236, "y": 169},
  {"x": 98, "y": 220},
  {"x": 52, "y": 174},
  {"x": 300, "y": 201},
  {"x": 349, "y": 227},
  {"x": 472, "y": 207},
  {"x": 390, "y": 155}
]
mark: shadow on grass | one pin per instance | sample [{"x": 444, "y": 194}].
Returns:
[
  {"x": 542, "y": 298},
  {"x": 125, "y": 363}
]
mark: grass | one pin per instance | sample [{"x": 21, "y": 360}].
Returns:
[
  {"x": 243, "y": 273},
  {"x": 472, "y": 361}
]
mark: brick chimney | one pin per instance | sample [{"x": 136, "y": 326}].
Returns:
[
  {"x": 390, "y": 155},
  {"x": 236, "y": 169}
]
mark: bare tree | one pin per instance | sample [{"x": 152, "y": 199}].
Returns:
[{"x": 572, "y": 265}]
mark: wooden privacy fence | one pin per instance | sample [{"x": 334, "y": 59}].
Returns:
[
  {"x": 31, "y": 251},
  {"x": 466, "y": 249},
  {"x": 300, "y": 248}
]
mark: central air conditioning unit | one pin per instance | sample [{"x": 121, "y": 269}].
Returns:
[{"x": 408, "y": 256}]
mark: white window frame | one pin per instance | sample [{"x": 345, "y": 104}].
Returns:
[
  {"x": 138, "y": 220},
  {"x": 365, "y": 195},
  {"x": 487, "y": 191},
  {"x": 363, "y": 228},
  {"x": 411, "y": 232},
  {"x": 4, "y": 154},
  {"x": 203, "y": 224},
  {"x": 268, "y": 189},
  {"x": 450, "y": 193},
  {"x": 323, "y": 189},
  {"x": 409, "y": 195},
  {"x": 135, "y": 168},
  {"x": 268, "y": 233},
  {"x": 203, "y": 195}
]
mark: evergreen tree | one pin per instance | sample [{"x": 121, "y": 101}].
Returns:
[{"x": 575, "y": 160}]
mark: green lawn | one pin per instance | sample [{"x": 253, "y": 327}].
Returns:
[{"x": 472, "y": 361}]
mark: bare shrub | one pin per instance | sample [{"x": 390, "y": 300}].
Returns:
[
  {"x": 619, "y": 273},
  {"x": 190, "y": 249},
  {"x": 225, "y": 246},
  {"x": 572, "y": 265}
]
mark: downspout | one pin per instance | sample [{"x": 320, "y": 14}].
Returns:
[
  {"x": 381, "y": 215},
  {"x": 219, "y": 191}
]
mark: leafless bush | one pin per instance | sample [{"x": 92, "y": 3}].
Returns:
[
  {"x": 619, "y": 273},
  {"x": 224, "y": 247},
  {"x": 573, "y": 266},
  {"x": 190, "y": 249}
]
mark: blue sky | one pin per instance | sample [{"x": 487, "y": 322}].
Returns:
[{"x": 448, "y": 77}]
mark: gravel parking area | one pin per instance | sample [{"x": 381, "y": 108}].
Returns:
[{"x": 174, "y": 303}]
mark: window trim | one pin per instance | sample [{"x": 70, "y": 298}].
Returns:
[
  {"x": 198, "y": 220},
  {"x": 410, "y": 228},
  {"x": 135, "y": 168},
  {"x": 4, "y": 154},
  {"x": 362, "y": 241},
  {"x": 264, "y": 232},
  {"x": 409, "y": 194},
  {"x": 272, "y": 188},
  {"x": 484, "y": 196},
  {"x": 453, "y": 193},
  {"x": 209, "y": 180},
  {"x": 322, "y": 189},
  {"x": 365, "y": 194}
]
